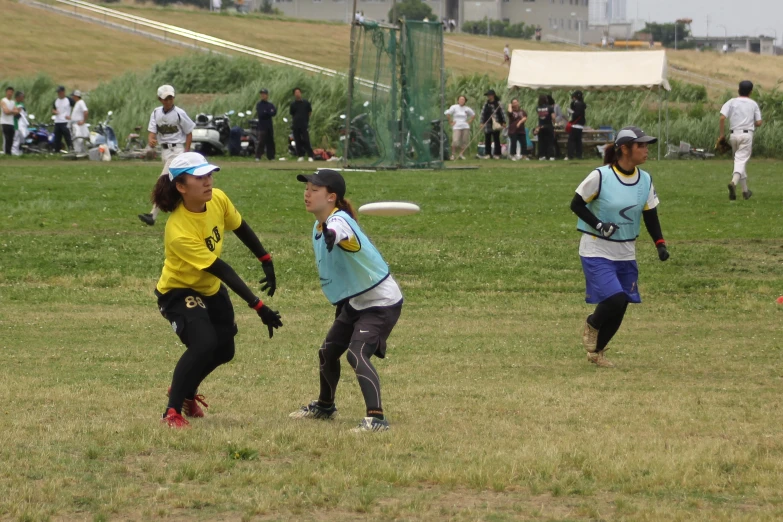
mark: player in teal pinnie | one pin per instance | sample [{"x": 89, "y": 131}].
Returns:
[
  {"x": 611, "y": 204},
  {"x": 356, "y": 279}
]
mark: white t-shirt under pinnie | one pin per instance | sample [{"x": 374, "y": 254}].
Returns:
[
  {"x": 742, "y": 112},
  {"x": 592, "y": 246},
  {"x": 171, "y": 127},
  {"x": 387, "y": 293}
]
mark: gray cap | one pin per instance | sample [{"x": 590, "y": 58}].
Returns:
[
  {"x": 77, "y": 92},
  {"x": 633, "y": 135}
]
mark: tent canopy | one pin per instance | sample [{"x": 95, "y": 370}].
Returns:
[{"x": 597, "y": 71}]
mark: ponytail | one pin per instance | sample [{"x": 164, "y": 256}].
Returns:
[
  {"x": 345, "y": 205},
  {"x": 612, "y": 153},
  {"x": 165, "y": 194}
]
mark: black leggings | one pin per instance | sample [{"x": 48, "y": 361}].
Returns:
[
  {"x": 607, "y": 318},
  {"x": 8, "y": 136},
  {"x": 546, "y": 142},
  {"x": 575, "y": 144},
  {"x": 489, "y": 138},
  {"x": 205, "y": 325}
]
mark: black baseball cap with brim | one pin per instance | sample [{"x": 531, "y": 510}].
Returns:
[
  {"x": 263, "y": 91},
  {"x": 491, "y": 91},
  {"x": 328, "y": 178},
  {"x": 633, "y": 135}
]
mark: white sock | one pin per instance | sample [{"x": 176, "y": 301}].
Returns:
[
  {"x": 744, "y": 183},
  {"x": 154, "y": 211},
  {"x": 735, "y": 178}
]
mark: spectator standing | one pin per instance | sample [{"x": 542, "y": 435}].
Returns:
[
  {"x": 546, "y": 129},
  {"x": 266, "y": 132},
  {"x": 507, "y": 56},
  {"x": 538, "y": 33},
  {"x": 21, "y": 124},
  {"x": 460, "y": 117},
  {"x": 7, "y": 113},
  {"x": 517, "y": 118},
  {"x": 493, "y": 119},
  {"x": 578, "y": 121},
  {"x": 61, "y": 108},
  {"x": 300, "y": 111},
  {"x": 79, "y": 129}
]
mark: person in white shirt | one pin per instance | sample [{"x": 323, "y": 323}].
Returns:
[
  {"x": 21, "y": 124},
  {"x": 7, "y": 113},
  {"x": 172, "y": 128},
  {"x": 744, "y": 117},
  {"x": 507, "y": 55},
  {"x": 79, "y": 129},
  {"x": 460, "y": 117},
  {"x": 354, "y": 277},
  {"x": 61, "y": 108}
]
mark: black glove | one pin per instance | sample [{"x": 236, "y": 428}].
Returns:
[
  {"x": 607, "y": 229},
  {"x": 663, "y": 254},
  {"x": 268, "y": 316},
  {"x": 270, "y": 281},
  {"x": 329, "y": 237}
]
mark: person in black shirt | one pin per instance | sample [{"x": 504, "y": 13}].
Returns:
[
  {"x": 493, "y": 119},
  {"x": 578, "y": 122},
  {"x": 266, "y": 132},
  {"x": 546, "y": 129},
  {"x": 300, "y": 114}
]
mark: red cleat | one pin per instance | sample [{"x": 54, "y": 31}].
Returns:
[
  {"x": 190, "y": 407},
  {"x": 174, "y": 419}
]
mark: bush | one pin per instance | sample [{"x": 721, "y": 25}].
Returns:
[
  {"x": 500, "y": 28},
  {"x": 412, "y": 10}
]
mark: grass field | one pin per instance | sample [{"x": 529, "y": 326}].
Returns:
[{"x": 495, "y": 413}]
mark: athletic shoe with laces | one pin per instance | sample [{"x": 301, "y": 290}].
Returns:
[
  {"x": 600, "y": 360},
  {"x": 371, "y": 424},
  {"x": 190, "y": 407},
  {"x": 590, "y": 338},
  {"x": 174, "y": 419},
  {"x": 300, "y": 159},
  {"x": 732, "y": 192},
  {"x": 147, "y": 218},
  {"x": 747, "y": 195},
  {"x": 314, "y": 411}
]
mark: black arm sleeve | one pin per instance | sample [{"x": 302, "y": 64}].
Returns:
[
  {"x": 579, "y": 207},
  {"x": 225, "y": 273},
  {"x": 250, "y": 239},
  {"x": 652, "y": 224}
]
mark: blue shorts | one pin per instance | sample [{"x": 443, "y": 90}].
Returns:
[{"x": 605, "y": 278}]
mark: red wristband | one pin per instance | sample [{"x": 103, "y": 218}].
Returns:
[
  {"x": 266, "y": 257},
  {"x": 257, "y": 306},
  {"x": 660, "y": 242}
]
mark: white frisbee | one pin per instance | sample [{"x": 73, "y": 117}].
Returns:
[{"x": 389, "y": 208}]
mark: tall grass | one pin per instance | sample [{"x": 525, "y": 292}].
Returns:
[{"x": 235, "y": 82}]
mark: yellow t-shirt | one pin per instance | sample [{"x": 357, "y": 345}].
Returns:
[{"x": 193, "y": 242}]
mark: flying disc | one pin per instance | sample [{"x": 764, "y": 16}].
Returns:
[{"x": 389, "y": 208}]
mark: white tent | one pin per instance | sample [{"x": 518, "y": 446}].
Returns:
[{"x": 596, "y": 71}]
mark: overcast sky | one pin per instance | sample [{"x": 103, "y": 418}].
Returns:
[{"x": 741, "y": 17}]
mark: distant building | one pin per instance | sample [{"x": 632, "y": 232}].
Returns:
[
  {"x": 607, "y": 12},
  {"x": 737, "y": 44}
]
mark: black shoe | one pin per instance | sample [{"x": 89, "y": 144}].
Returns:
[
  {"x": 747, "y": 194},
  {"x": 147, "y": 218},
  {"x": 314, "y": 411},
  {"x": 732, "y": 192}
]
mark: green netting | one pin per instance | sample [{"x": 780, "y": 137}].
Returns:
[{"x": 396, "y": 98}]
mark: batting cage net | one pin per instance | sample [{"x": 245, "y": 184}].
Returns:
[{"x": 396, "y": 87}]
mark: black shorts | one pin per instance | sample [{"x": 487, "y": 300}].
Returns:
[
  {"x": 371, "y": 325},
  {"x": 183, "y": 306}
]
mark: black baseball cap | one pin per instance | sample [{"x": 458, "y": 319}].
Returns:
[
  {"x": 263, "y": 91},
  {"x": 633, "y": 135},
  {"x": 491, "y": 91},
  {"x": 60, "y": 89},
  {"x": 328, "y": 178}
]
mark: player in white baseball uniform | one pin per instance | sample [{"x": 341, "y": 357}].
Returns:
[
  {"x": 173, "y": 129},
  {"x": 744, "y": 117}
]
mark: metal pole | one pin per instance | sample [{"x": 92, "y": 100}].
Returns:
[
  {"x": 403, "y": 89},
  {"x": 660, "y": 109},
  {"x": 666, "y": 101},
  {"x": 442, "y": 96},
  {"x": 675, "y": 36},
  {"x": 351, "y": 73}
]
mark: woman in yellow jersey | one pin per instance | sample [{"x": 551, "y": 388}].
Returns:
[
  {"x": 190, "y": 294},
  {"x": 355, "y": 278},
  {"x": 611, "y": 203}
]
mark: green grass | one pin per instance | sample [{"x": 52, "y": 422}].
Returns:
[{"x": 495, "y": 413}]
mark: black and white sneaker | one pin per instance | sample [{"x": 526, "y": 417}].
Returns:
[
  {"x": 314, "y": 411},
  {"x": 147, "y": 218},
  {"x": 371, "y": 424}
]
